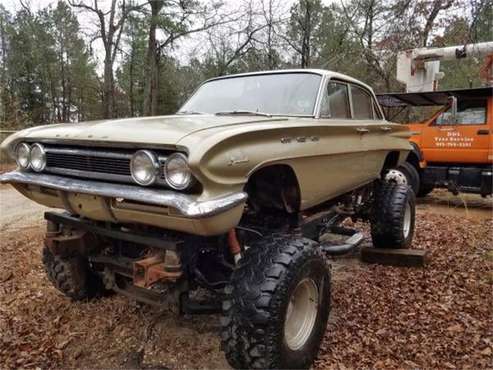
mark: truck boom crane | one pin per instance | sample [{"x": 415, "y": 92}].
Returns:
[{"x": 419, "y": 69}]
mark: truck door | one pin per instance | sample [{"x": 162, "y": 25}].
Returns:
[{"x": 467, "y": 140}]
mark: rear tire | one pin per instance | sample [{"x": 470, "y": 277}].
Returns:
[
  {"x": 393, "y": 216},
  {"x": 263, "y": 325},
  {"x": 72, "y": 276},
  {"x": 405, "y": 174}
]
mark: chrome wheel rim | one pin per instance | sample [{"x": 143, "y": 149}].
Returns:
[
  {"x": 407, "y": 220},
  {"x": 397, "y": 177},
  {"x": 301, "y": 314}
]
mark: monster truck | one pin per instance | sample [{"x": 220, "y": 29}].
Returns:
[{"x": 231, "y": 195}]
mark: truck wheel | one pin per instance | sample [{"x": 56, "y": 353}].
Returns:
[
  {"x": 276, "y": 308},
  {"x": 405, "y": 174},
  {"x": 72, "y": 276},
  {"x": 393, "y": 214}
]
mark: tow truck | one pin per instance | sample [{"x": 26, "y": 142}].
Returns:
[{"x": 452, "y": 147}]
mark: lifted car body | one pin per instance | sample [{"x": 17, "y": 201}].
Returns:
[
  {"x": 232, "y": 194},
  {"x": 451, "y": 150},
  {"x": 327, "y": 157}
]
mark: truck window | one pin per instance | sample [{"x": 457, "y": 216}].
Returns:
[
  {"x": 362, "y": 104},
  {"x": 469, "y": 112},
  {"x": 335, "y": 103}
]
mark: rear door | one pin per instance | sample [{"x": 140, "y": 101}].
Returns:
[
  {"x": 468, "y": 140},
  {"x": 343, "y": 138}
]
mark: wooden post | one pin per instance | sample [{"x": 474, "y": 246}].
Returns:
[{"x": 395, "y": 257}]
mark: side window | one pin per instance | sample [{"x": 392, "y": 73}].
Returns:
[
  {"x": 469, "y": 112},
  {"x": 362, "y": 103},
  {"x": 335, "y": 103}
]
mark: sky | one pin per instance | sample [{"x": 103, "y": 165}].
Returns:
[
  {"x": 185, "y": 48},
  {"x": 39, "y": 4}
]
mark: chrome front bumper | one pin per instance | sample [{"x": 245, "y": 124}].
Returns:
[{"x": 185, "y": 204}]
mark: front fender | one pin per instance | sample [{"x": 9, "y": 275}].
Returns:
[{"x": 9, "y": 144}]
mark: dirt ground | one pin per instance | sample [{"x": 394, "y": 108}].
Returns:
[{"x": 382, "y": 317}]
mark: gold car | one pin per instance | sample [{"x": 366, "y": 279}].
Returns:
[{"x": 231, "y": 194}]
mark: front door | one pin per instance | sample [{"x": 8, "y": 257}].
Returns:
[{"x": 467, "y": 140}]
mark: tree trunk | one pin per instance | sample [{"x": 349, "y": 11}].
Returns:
[
  {"x": 108, "y": 87},
  {"x": 69, "y": 99},
  {"x": 3, "y": 76},
  {"x": 131, "y": 87},
  {"x": 270, "y": 57},
  {"x": 370, "y": 32},
  {"x": 305, "y": 45},
  {"x": 438, "y": 5},
  {"x": 152, "y": 63},
  {"x": 64, "y": 86}
]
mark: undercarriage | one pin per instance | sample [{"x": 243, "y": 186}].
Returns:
[
  {"x": 459, "y": 178},
  {"x": 161, "y": 267},
  {"x": 270, "y": 271}
]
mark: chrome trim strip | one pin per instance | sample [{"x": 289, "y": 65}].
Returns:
[
  {"x": 88, "y": 152},
  {"x": 185, "y": 204},
  {"x": 89, "y": 174}
]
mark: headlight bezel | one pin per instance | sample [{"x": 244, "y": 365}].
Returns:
[
  {"x": 17, "y": 160},
  {"x": 154, "y": 162},
  {"x": 189, "y": 176},
  {"x": 43, "y": 156}
]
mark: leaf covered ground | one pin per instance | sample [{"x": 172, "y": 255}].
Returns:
[{"x": 382, "y": 317}]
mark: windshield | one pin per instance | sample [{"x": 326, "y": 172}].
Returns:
[{"x": 278, "y": 94}]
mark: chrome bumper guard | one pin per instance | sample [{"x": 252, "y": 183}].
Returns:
[{"x": 185, "y": 204}]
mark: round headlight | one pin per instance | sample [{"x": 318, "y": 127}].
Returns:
[
  {"x": 144, "y": 167},
  {"x": 23, "y": 155},
  {"x": 38, "y": 158},
  {"x": 177, "y": 172}
]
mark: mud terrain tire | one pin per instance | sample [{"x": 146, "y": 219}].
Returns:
[
  {"x": 71, "y": 276},
  {"x": 257, "y": 301},
  {"x": 393, "y": 216}
]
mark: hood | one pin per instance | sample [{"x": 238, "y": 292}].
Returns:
[{"x": 148, "y": 131}]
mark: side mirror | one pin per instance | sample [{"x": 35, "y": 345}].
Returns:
[{"x": 453, "y": 109}]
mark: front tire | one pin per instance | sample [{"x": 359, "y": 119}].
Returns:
[
  {"x": 393, "y": 216},
  {"x": 72, "y": 276},
  {"x": 277, "y": 306}
]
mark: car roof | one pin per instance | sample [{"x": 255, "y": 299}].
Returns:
[{"x": 321, "y": 72}]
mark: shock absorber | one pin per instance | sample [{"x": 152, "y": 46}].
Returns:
[{"x": 234, "y": 245}]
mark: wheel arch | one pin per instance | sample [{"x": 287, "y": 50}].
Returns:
[
  {"x": 274, "y": 186},
  {"x": 391, "y": 161},
  {"x": 415, "y": 156}
]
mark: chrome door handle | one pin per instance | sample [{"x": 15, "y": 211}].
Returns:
[
  {"x": 386, "y": 128},
  {"x": 362, "y": 130}
]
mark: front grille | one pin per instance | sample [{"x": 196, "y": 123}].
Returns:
[
  {"x": 89, "y": 163},
  {"x": 105, "y": 165}
]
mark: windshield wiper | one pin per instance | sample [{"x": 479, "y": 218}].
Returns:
[
  {"x": 188, "y": 112},
  {"x": 243, "y": 112}
]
